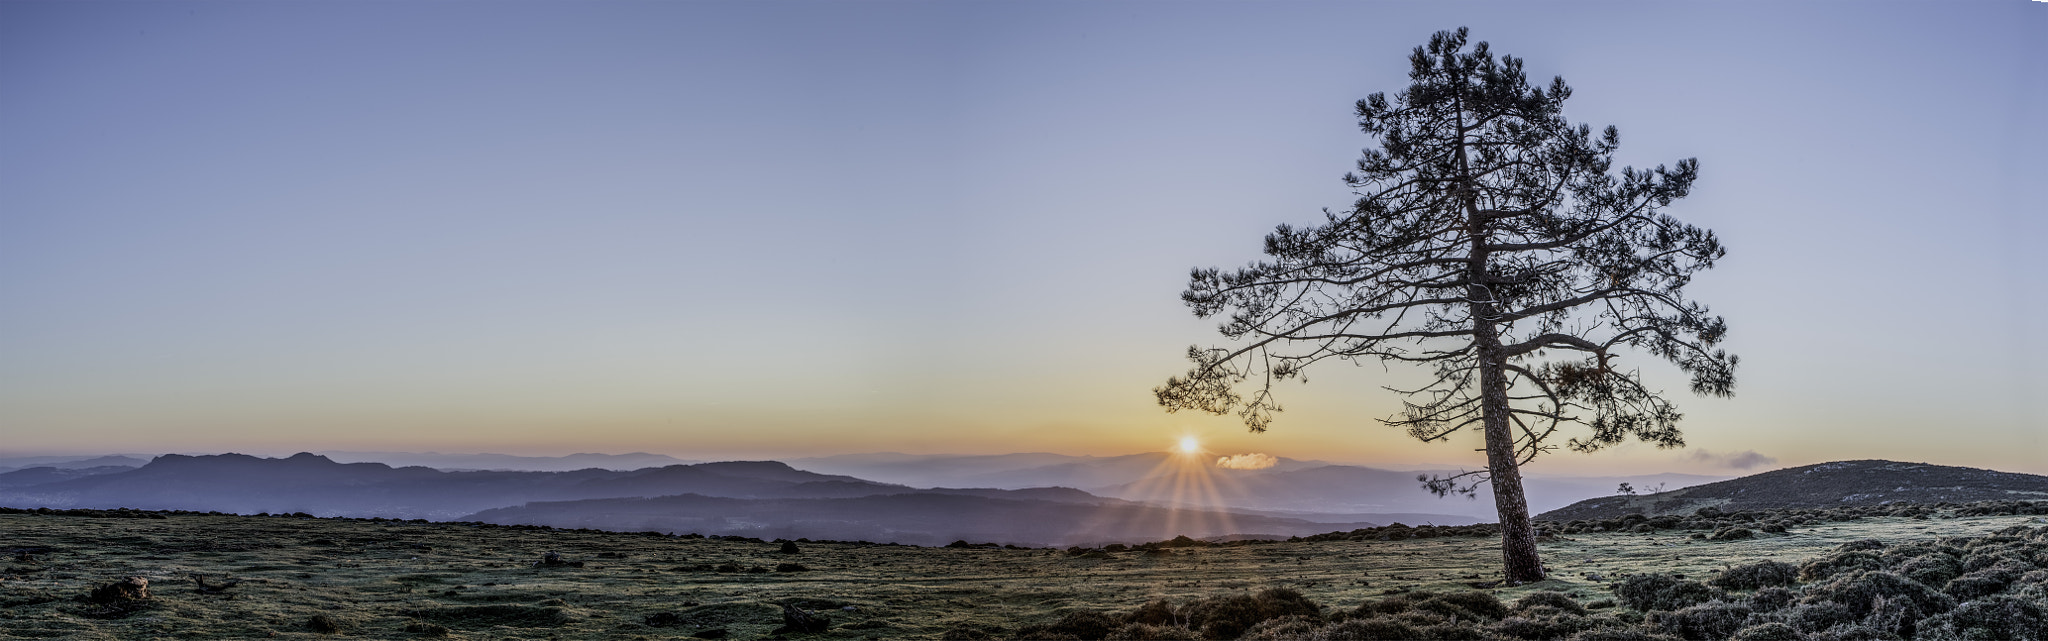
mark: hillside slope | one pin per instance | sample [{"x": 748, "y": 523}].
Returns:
[{"x": 1836, "y": 484}]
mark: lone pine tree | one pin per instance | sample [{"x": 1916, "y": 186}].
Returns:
[{"x": 1491, "y": 243}]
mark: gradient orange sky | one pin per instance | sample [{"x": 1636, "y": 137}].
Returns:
[{"x": 740, "y": 230}]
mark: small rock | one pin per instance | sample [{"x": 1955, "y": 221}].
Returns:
[{"x": 129, "y": 589}]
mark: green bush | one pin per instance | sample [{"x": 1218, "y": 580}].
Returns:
[
  {"x": 1771, "y": 599},
  {"x": 1772, "y": 631},
  {"x": 1850, "y": 632},
  {"x": 1551, "y": 599},
  {"x": 1143, "y": 632},
  {"x": 1997, "y": 617},
  {"x": 1931, "y": 569},
  {"x": 1649, "y": 592},
  {"x": 1367, "y": 629},
  {"x": 1619, "y": 634},
  {"x": 1471, "y": 604},
  {"x": 1863, "y": 592},
  {"x": 1842, "y": 562},
  {"x": 1552, "y": 626},
  {"x": 1751, "y": 576},
  {"x": 1710, "y": 621},
  {"x": 1227, "y": 617}
]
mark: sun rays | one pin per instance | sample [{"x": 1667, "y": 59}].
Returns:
[{"x": 1184, "y": 486}]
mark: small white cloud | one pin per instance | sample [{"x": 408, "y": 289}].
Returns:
[
  {"x": 1738, "y": 460},
  {"x": 1253, "y": 461}
]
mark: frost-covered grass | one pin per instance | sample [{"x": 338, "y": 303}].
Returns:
[{"x": 416, "y": 580}]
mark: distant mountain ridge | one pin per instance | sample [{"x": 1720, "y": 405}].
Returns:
[
  {"x": 1835, "y": 484},
  {"x": 1009, "y": 471},
  {"x": 1158, "y": 493},
  {"x": 14, "y": 463},
  {"x": 487, "y": 461},
  {"x": 314, "y": 484},
  {"x": 41, "y": 475}
]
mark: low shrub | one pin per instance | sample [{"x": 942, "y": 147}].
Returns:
[
  {"x": 1931, "y": 569},
  {"x": 1367, "y": 629},
  {"x": 1986, "y": 582},
  {"x": 1997, "y": 617},
  {"x": 1771, "y": 599},
  {"x": 1227, "y": 617},
  {"x": 1850, "y": 632},
  {"x": 1772, "y": 631},
  {"x": 1471, "y": 604},
  {"x": 1142, "y": 632},
  {"x": 1863, "y": 592},
  {"x": 1732, "y": 534},
  {"x": 1552, "y": 626},
  {"x": 1751, "y": 576},
  {"x": 1841, "y": 562},
  {"x": 1865, "y": 544},
  {"x": 1649, "y": 592},
  {"x": 1818, "y": 616},
  {"x": 1551, "y": 599},
  {"x": 1619, "y": 634},
  {"x": 1454, "y": 631},
  {"x": 1708, "y": 621}
]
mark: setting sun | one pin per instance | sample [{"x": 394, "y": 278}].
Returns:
[{"x": 1188, "y": 445}]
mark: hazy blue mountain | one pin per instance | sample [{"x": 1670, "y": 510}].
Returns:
[
  {"x": 918, "y": 518},
  {"x": 9, "y": 464},
  {"x": 41, "y": 475},
  {"x": 317, "y": 485},
  {"x": 508, "y": 462}
]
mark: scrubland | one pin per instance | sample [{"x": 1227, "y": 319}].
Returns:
[{"x": 299, "y": 577}]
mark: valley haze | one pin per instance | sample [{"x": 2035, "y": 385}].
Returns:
[{"x": 1032, "y": 499}]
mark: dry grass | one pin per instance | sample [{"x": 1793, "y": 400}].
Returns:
[{"x": 415, "y": 580}]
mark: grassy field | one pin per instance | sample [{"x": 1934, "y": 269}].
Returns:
[{"x": 400, "y": 580}]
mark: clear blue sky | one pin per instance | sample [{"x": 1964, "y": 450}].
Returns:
[{"x": 787, "y": 228}]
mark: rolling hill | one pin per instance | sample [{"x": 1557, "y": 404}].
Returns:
[{"x": 1836, "y": 484}]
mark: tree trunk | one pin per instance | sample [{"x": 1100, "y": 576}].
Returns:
[{"x": 1517, "y": 532}]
